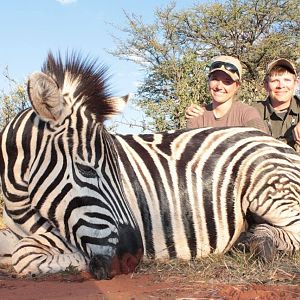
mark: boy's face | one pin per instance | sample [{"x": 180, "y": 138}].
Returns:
[{"x": 281, "y": 86}]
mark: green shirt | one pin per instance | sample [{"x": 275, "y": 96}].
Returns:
[{"x": 280, "y": 124}]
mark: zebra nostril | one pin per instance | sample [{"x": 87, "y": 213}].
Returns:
[{"x": 129, "y": 263}]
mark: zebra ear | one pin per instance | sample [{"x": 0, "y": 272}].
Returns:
[
  {"x": 117, "y": 105},
  {"x": 45, "y": 96}
]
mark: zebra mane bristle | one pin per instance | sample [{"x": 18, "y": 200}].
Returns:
[{"x": 90, "y": 76}]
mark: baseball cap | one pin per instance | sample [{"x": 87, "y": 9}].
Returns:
[
  {"x": 283, "y": 63},
  {"x": 228, "y": 64}
]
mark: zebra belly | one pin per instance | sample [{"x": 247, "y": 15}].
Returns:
[{"x": 178, "y": 232}]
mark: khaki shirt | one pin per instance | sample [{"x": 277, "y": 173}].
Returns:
[{"x": 280, "y": 126}]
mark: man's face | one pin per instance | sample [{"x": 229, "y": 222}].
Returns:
[
  {"x": 222, "y": 88},
  {"x": 281, "y": 86}
]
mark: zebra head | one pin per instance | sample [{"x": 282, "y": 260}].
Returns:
[{"x": 87, "y": 203}]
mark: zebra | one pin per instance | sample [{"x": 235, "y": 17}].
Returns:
[
  {"x": 204, "y": 191},
  {"x": 64, "y": 203},
  {"x": 189, "y": 192}
]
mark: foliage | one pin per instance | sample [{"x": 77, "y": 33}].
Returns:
[
  {"x": 70, "y": 270},
  {"x": 178, "y": 83},
  {"x": 174, "y": 50},
  {"x": 13, "y": 102}
]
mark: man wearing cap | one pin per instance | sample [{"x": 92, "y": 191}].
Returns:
[
  {"x": 281, "y": 110},
  {"x": 224, "y": 81}
]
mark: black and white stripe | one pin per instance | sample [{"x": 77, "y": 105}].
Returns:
[
  {"x": 190, "y": 190},
  {"x": 64, "y": 201},
  {"x": 75, "y": 194}
]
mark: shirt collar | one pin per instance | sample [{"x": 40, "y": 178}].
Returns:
[{"x": 293, "y": 108}]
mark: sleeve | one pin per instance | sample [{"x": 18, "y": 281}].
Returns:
[
  {"x": 192, "y": 123},
  {"x": 253, "y": 119}
]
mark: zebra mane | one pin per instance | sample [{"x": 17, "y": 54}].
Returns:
[{"x": 89, "y": 78}]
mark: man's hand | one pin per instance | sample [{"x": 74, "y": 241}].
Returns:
[
  {"x": 296, "y": 133},
  {"x": 194, "y": 110}
]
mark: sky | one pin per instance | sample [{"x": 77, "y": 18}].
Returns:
[{"x": 30, "y": 28}]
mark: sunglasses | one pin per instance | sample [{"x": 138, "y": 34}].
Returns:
[{"x": 227, "y": 66}]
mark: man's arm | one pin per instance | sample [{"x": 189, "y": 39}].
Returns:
[
  {"x": 191, "y": 114},
  {"x": 258, "y": 124},
  {"x": 253, "y": 119},
  {"x": 296, "y": 133}
]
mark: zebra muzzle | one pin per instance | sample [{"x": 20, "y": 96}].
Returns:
[
  {"x": 129, "y": 253},
  {"x": 126, "y": 264},
  {"x": 105, "y": 267}
]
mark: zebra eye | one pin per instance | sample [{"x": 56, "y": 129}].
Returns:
[{"x": 86, "y": 171}]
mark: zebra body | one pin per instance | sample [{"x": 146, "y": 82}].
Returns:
[
  {"x": 64, "y": 201},
  {"x": 190, "y": 190}
]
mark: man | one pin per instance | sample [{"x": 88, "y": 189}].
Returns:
[
  {"x": 224, "y": 80},
  {"x": 281, "y": 110}
]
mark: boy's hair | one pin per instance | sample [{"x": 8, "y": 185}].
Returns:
[
  {"x": 279, "y": 70},
  {"x": 280, "y": 66}
]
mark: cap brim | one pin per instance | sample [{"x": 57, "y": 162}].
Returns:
[{"x": 282, "y": 62}]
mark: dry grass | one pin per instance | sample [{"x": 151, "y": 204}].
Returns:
[{"x": 233, "y": 268}]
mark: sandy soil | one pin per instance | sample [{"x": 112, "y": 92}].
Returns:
[{"x": 135, "y": 286}]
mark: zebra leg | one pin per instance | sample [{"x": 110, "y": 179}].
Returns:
[
  {"x": 275, "y": 209},
  {"x": 43, "y": 251},
  {"x": 263, "y": 247},
  {"x": 8, "y": 242},
  {"x": 243, "y": 242},
  {"x": 46, "y": 253},
  {"x": 266, "y": 239}
]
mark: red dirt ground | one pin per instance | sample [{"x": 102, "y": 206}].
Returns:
[{"x": 135, "y": 286}]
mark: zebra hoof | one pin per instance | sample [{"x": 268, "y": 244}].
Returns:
[
  {"x": 100, "y": 267},
  {"x": 243, "y": 242},
  {"x": 263, "y": 248}
]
